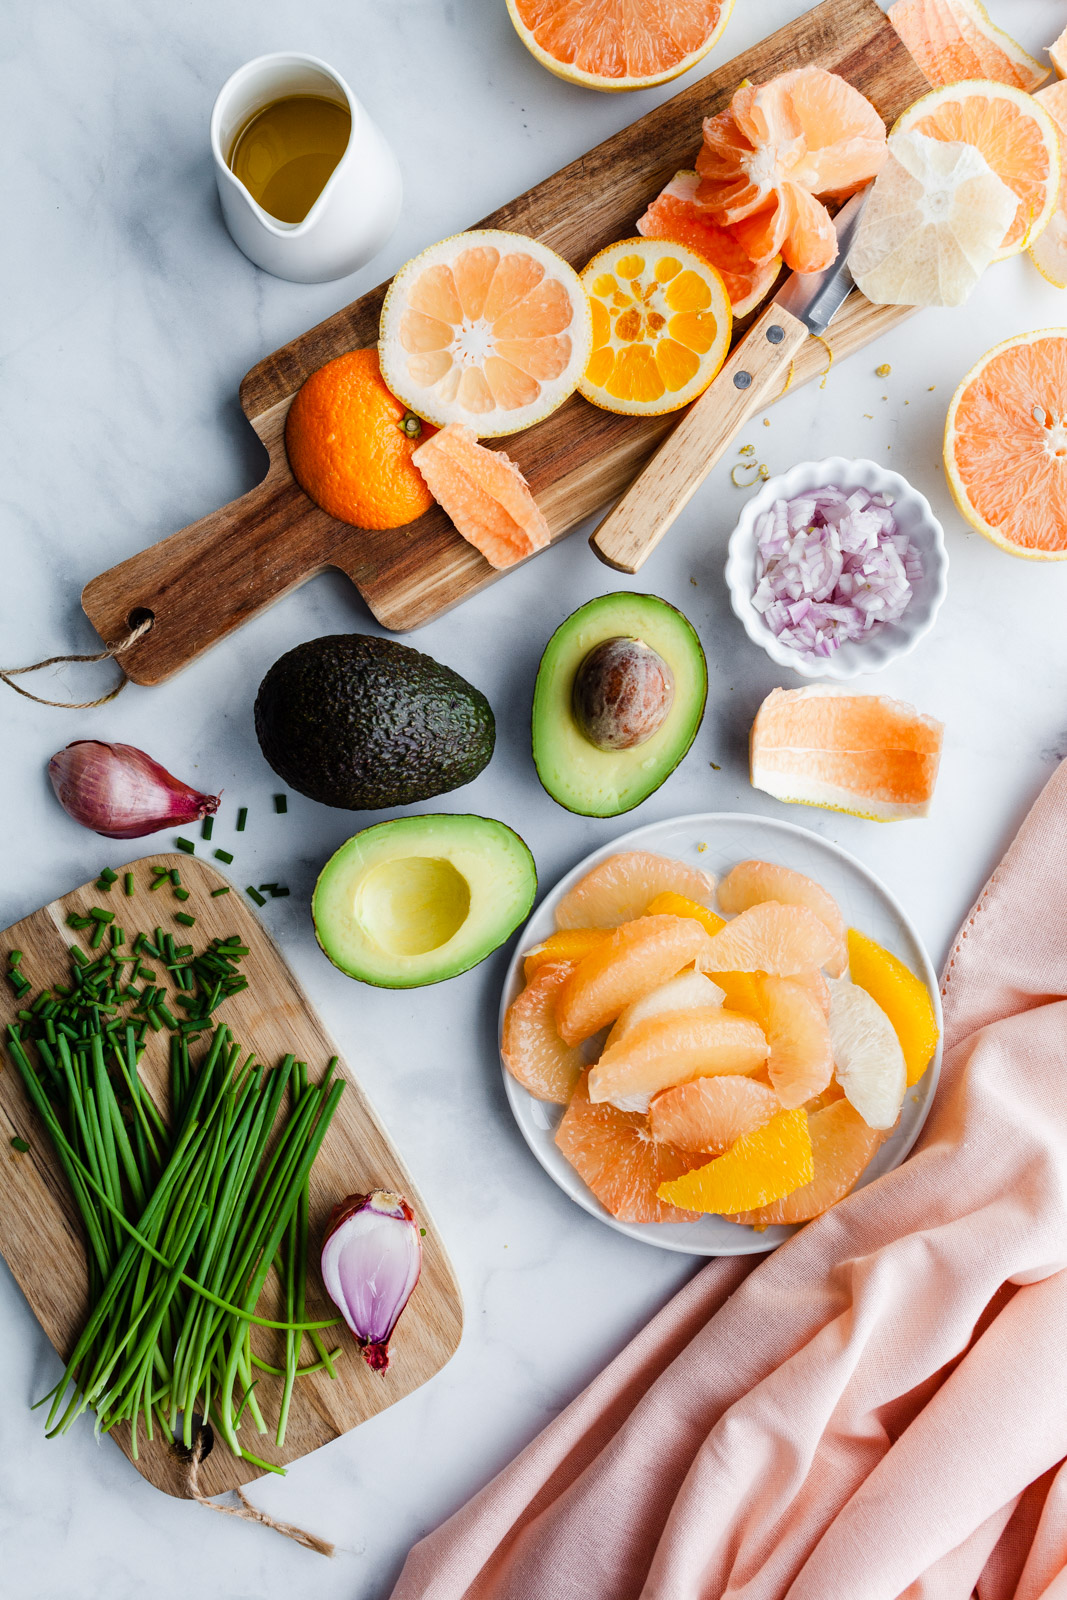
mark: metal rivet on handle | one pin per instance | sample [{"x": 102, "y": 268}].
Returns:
[
  {"x": 775, "y": 334},
  {"x": 742, "y": 380}
]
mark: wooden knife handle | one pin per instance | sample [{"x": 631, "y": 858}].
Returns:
[{"x": 751, "y": 377}]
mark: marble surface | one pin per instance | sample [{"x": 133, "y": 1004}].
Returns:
[{"x": 129, "y": 318}]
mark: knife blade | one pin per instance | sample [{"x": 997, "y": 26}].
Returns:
[{"x": 815, "y": 298}]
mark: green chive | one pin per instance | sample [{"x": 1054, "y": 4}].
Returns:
[
  {"x": 14, "y": 958},
  {"x": 128, "y": 884},
  {"x": 175, "y": 877},
  {"x": 216, "y": 892},
  {"x": 19, "y": 1144},
  {"x": 223, "y": 855},
  {"x": 279, "y": 894},
  {"x": 181, "y": 894},
  {"x": 185, "y": 919},
  {"x": 98, "y": 914},
  {"x": 187, "y": 845},
  {"x": 102, "y": 886},
  {"x": 160, "y": 880},
  {"x": 281, "y": 803},
  {"x": 206, "y": 827},
  {"x": 267, "y": 888},
  {"x": 253, "y": 894},
  {"x": 242, "y": 818},
  {"x": 109, "y": 876}
]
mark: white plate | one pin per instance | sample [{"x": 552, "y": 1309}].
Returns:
[{"x": 730, "y": 837}]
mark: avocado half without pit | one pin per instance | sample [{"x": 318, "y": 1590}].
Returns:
[
  {"x": 620, "y": 695},
  {"x": 421, "y": 899}
]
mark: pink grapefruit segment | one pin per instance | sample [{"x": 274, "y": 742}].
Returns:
[
  {"x": 639, "y": 957},
  {"x": 677, "y": 216},
  {"x": 484, "y": 493},
  {"x": 673, "y": 1048},
  {"x": 801, "y": 1062},
  {"x": 615, "y": 1155},
  {"x": 753, "y": 881},
  {"x": 532, "y": 1049},
  {"x": 710, "y": 1114},
  {"x": 955, "y": 39},
  {"x": 772, "y": 938},
  {"x": 623, "y": 887}
]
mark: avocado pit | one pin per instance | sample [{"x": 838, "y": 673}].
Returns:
[{"x": 623, "y": 693}]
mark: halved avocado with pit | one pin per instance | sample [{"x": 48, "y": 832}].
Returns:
[
  {"x": 421, "y": 899},
  {"x": 619, "y": 698}
]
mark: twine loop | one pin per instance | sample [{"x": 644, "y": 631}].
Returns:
[
  {"x": 245, "y": 1509},
  {"x": 110, "y": 652}
]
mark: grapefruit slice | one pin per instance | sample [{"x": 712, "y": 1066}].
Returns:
[
  {"x": 661, "y": 321},
  {"x": 532, "y": 1049},
  {"x": 637, "y": 958},
  {"x": 738, "y": 989},
  {"x": 619, "y": 44},
  {"x": 1012, "y": 131},
  {"x": 752, "y": 881},
  {"x": 764, "y": 162},
  {"x": 1006, "y": 445},
  {"x": 484, "y": 493},
  {"x": 903, "y": 997},
  {"x": 1049, "y": 251},
  {"x": 687, "y": 992},
  {"x": 667, "y": 1050},
  {"x": 769, "y": 937},
  {"x": 761, "y": 1167},
  {"x": 569, "y": 945},
  {"x": 486, "y": 328},
  {"x": 954, "y": 39},
  {"x": 868, "y": 1060},
  {"x": 617, "y": 1158},
  {"x": 800, "y": 1063},
  {"x": 842, "y": 1147},
  {"x": 1057, "y": 54},
  {"x": 710, "y": 1114},
  {"x": 676, "y": 215},
  {"x": 862, "y": 753},
  {"x": 621, "y": 888}
]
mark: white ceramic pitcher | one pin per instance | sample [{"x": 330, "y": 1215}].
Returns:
[{"x": 360, "y": 204}]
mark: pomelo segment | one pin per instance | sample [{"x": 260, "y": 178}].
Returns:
[
  {"x": 1048, "y": 252},
  {"x": 677, "y": 215},
  {"x": 667, "y": 1050},
  {"x": 532, "y": 1049},
  {"x": 622, "y": 887},
  {"x": 619, "y": 44},
  {"x": 571, "y": 944},
  {"x": 862, "y": 753},
  {"x": 769, "y": 937},
  {"x": 761, "y": 1167},
  {"x": 710, "y": 1114},
  {"x": 638, "y": 957},
  {"x": 687, "y": 992},
  {"x": 842, "y": 1147},
  {"x": 801, "y": 1062},
  {"x": 903, "y": 997},
  {"x": 752, "y": 881},
  {"x": 484, "y": 493},
  {"x": 955, "y": 39},
  {"x": 616, "y": 1156},
  {"x": 868, "y": 1060},
  {"x": 488, "y": 328}
]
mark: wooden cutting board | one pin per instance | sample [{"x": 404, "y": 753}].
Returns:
[
  {"x": 205, "y": 581},
  {"x": 41, "y": 1237}
]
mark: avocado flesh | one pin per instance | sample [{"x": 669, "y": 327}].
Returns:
[
  {"x": 603, "y": 783},
  {"x": 421, "y": 899}
]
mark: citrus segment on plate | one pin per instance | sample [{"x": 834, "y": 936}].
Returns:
[
  {"x": 488, "y": 328},
  {"x": 676, "y": 215},
  {"x": 752, "y": 881},
  {"x": 671, "y": 1049},
  {"x": 868, "y": 1060},
  {"x": 761, "y": 1167},
  {"x": 622, "y": 887},
  {"x": 661, "y": 326},
  {"x": 1006, "y": 445},
  {"x": 1057, "y": 54},
  {"x": 570, "y": 944},
  {"x": 800, "y": 1063},
  {"x": 842, "y": 1147},
  {"x": 955, "y": 39},
  {"x": 689, "y": 991},
  {"x": 1012, "y": 131},
  {"x": 619, "y": 44},
  {"x": 903, "y": 997},
  {"x": 772, "y": 938},
  {"x": 710, "y": 1114},
  {"x": 638, "y": 957},
  {"x": 532, "y": 1049},
  {"x": 484, "y": 493},
  {"x": 1049, "y": 251},
  {"x": 614, "y": 1154}
]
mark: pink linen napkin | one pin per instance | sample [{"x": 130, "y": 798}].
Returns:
[{"x": 878, "y": 1409}]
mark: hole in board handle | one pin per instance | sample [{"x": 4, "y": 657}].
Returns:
[{"x": 139, "y": 616}]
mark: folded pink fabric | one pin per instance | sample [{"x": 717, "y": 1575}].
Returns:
[{"x": 877, "y": 1409}]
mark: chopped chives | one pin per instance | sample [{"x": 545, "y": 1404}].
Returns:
[
  {"x": 19, "y": 1144},
  {"x": 75, "y": 921},
  {"x": 216, "y": 892},
  {"x": 102, "y": 886},
  {"x": 98, "y": 914},
  {"x": 281, "y": 803},
  {"x": 253, "y": 894},
  {"x": 279, "y": 894},
  {"x": 242, "y": 818},
  {"x": 185, "y": 919},
  {"x": 175, "y": 877},
  {"x": 128, "y": 884},
  {"x": 108, "y": 876},
  {"x": 98, "y": 936},
  {"x": 187, "y": 845},
  {"x": 267, "y": 888},
  {"x": 206, "y": 826},
  {"x": 223, "y": 855},
  {"x": 14, "y": 958},
  {"x": 161, "y": 879},
  {"x": 181, "y": 894},
  {"x": 118, "y": 937}
]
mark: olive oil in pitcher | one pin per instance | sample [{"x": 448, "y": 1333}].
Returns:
[{"x": 286, "y": 151}]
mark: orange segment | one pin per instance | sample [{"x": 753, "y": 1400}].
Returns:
[
  {"x": 677, "y": 216},
  {"x": 954, "y": 39},
  {"x": 771, "y": 938},
  {"x": 752, "y": 881},
  {"x": 616, "y": 1156},
  {"x": 861, "y": 753},
  {"x": 620, "y": 888},
  {"x": 671, "y": 1049},
  {"x": 484, "y": 493},
  {"x": 738, "y": 988},
  {"x": 672, "y": 904},
  {"x": 637, "y": 958},
  {"x": 1006, "y": 445},
  {"x": 761, "y": 1167},
  {"x": 570, "y": 945},
  {"x": 710, "y": 1114},
  {"x": 842, "y": 1147},
  {"x": 619, "y": 44},
  {"x": 801, "y": 1062},
  {"x": 903, "y": 997},
  {"x": 532, "y": 1049}
]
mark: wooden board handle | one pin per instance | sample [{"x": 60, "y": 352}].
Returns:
[{"x": 751, "y": 378}]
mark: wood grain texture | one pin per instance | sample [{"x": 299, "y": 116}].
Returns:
[
  {"x": 205, "y": 581},
  {"x": 41, "y": 1237}
]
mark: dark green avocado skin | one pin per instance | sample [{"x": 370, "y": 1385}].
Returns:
[{"x": 363, "y": 723}]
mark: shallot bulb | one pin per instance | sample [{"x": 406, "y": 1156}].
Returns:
[
  {"x": 371, "y": 1260},
  {"x": 118, "y": 791}
]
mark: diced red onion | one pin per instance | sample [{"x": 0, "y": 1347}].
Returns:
[
  {"x": 118, "y": 791},
  {"x": 371, "y": 1260},
  {"x": 832, "y": 566}
]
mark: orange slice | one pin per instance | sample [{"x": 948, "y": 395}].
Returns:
[
  {"x": 672, "y": 1049},
  {"x": 1006, "y": 445},
  {"x": 621, "y": 888},
  {"x": 842, "y": 1147},
  {"x": 710, "y": 1114},
  {"x": 800, "y": 1063},
  {"x": 1012, "y": 131},
  {"x": 484, "y": 493},
  {"x": 903, "y": 997},
  {"x": 1049, "y": 251},
  {"x": 677, "y": 215},
  {"x": 487, "y": 328},
  {"x": 661, "y": 327},
  {"x": 570, "y": 945},
  {"x": 619, "y": 44},
  {"x": 616, "y": 1156},
  {"x": 532, "y": 1049},
  {"x": 954, "y": 39},
  {"x": 761, "y": 1167},
  {"x": 637, "y": 958},
  {"x": 772, "y": 938},
  {"x": 861, "y": 753},
  {"x": 752, "y": 881}
]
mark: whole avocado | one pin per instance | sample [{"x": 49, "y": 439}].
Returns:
[{"x": 364, "y": 723}]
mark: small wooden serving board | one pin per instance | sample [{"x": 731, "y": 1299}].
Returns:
[
  {"x": 41, "y": 1237},
  {"x": 203, "y": 582}
]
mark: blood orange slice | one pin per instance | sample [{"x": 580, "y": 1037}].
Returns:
[
  {"x": 676, "y": 215},
  {"x": 954, "y": 39},
  {"x": 710, "y": 1114},
  {"x": 616, "y": 1156},
  {"x": 842, "y": 1147},
  {"x": 484, "y": 493},
  {"x": 623, "y": 886},
  {"x": 532, "y": 1049},
  {"x": 752, "y": 881},
  {"x": 619, "y": 44},
  {"x": 636, "y": 959}
]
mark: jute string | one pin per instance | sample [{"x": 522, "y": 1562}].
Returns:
[
  {"x": 110, "y": 652},
  {"x": 246, "y": 1509}
]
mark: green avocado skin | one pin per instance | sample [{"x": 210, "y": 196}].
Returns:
[{"x": 362, "y": 723}]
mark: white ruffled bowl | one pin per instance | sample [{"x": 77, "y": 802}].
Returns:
[{"x": 914, "y": 517}]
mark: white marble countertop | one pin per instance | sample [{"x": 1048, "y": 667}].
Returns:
[{"x": 129, "y": 319}]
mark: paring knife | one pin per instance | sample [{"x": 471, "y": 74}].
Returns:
[{"x": 751, "y": 377}]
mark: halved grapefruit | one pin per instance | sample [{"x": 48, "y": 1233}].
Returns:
[{"x": 619, "y": 44}]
